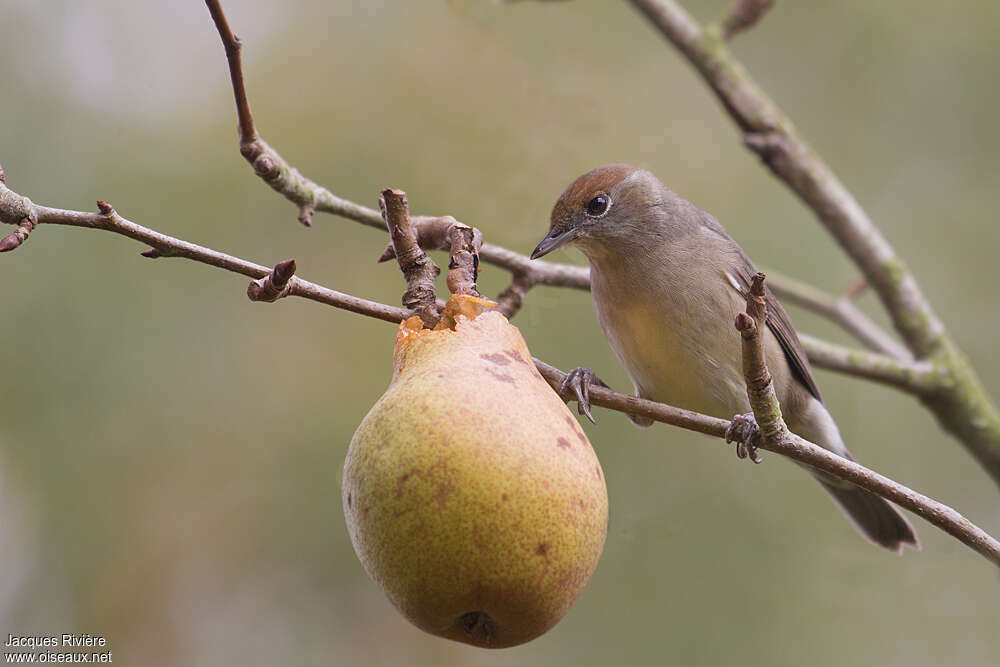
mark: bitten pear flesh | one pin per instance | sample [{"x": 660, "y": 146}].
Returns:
[{"x": 472, "y": 496}]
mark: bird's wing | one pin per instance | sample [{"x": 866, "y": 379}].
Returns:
[
  {"x": 780, "y": 326},
  {"x": 777, "y": 318}
]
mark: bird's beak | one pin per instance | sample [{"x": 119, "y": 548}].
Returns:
[{"x": 554, "y": 240}]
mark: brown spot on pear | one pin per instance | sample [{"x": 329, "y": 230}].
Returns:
[
  {"x": 456, "y": 546},
  {"x": 495, "y": 358},
  {"x": 503, "y": 377}
]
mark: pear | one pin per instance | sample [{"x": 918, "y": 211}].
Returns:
[{"x": 472, "y": 496}]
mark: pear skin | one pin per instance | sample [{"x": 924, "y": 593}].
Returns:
[{"x": 472, "y": 496}]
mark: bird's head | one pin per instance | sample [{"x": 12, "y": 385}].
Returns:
[{"x": 608, "y": 210}]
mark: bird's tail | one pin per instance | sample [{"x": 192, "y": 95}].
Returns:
[{"x": 875, "y": 518}]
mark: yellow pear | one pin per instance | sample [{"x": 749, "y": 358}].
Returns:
[{"x": 472, "y": 496}]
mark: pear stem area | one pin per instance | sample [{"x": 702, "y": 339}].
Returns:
[{"x": 409, "y": 239}]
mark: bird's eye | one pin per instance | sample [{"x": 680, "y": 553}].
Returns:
[{"x": 598, "y": 206}]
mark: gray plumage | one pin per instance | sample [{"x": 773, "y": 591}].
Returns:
[{"x": 667, "y": 282}]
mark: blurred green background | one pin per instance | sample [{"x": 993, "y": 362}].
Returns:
[{"x": 170, "y": 453}]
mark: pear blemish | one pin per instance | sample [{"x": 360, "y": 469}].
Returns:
[{"x": 460, "y": 498}]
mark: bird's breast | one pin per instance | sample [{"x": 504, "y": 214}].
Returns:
[{"x": 676, "y": 340}]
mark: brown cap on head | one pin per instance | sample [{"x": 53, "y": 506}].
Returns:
[
  {"x": 564, "y": 226},
  {"x": 583, "y": 189}
]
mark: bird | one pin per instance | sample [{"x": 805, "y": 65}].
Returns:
[{"x": 667, "y": 282}]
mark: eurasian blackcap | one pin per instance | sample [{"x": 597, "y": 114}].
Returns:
[{"x": 667, "y": 282}]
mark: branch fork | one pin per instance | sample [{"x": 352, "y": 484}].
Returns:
[
  {"x": 409, "y": 238},
  {"x": 16, "y": 210}
]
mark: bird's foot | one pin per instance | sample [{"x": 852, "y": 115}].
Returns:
[
  {"x": 579, "y": 380},
  {"x": 743, "y": 430}
]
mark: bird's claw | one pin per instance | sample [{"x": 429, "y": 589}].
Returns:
[
  {"x": 743, "y": 430},
  {"x": 579, "y": 380}
]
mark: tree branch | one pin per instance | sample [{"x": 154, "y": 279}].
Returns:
[
  {"x": 266, "y": 162},
  {"x": 963, "y": 407},
  {"x": 629, "y": 404},
  {"x": 418, "y": 269},
  {"x": 462, "y": 242},
  {"x": 776, "y": 437},
  {"x": 14, "y": 206},
  {"x": 233, "y": 46},
  {"x": 916, "y": 377},
  {"x": 797, "y": 449},
  {"x": 270, "y": 285},
  {"x": 512, "y": 297},
  {"x": 839, "y": 309}
]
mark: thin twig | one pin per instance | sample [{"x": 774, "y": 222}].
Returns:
[
  {"x": 418, "y": 269},
  {"x": 462, "y": 242},
  {"x": 18, "y": 236},
  {"x": 743, "y": 15},
  {"x": 839, "y": 309},
  {"x": 512, "y": 297},
  {"x": 628, "y": 404},
  {"x": 433, "y": 233},
  {"x": 856, "y": 289},
  {"x": 915, "y": 377},
  {"x": 233, "y": 46},
  {"x": 267, "y": 162},
  {"x": 109, "y": 220}
]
